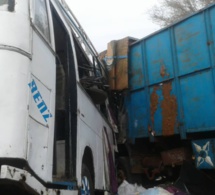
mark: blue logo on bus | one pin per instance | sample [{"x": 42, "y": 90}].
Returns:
[{"x": 41, "y": 105}]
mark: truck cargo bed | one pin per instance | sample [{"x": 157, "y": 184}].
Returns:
[{"x": 172, "y": 79}]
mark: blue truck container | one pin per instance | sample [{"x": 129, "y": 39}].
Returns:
[{"x": 172, "y": 85}]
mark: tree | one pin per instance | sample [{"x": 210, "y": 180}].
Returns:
[{"x": 170, "y": 11}]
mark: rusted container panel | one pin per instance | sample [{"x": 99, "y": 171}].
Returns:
[
  {"x": 199, "y": 101},
  {"x": 191, "y": 43},
  {"x": 164, "y": 109},
  {"x": 159, "y": 57},
  {"x": 172, "y": 77},
  {"x": 158, "y": 114}
]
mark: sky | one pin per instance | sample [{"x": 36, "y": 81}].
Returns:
[{"x": 104, "y": 21}]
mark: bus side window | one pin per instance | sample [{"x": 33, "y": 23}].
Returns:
[{"x": 41, "y": 18}]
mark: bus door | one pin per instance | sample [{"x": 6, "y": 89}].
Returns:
[
  {"x": 66, "y": 99},
  {"x": 42, "y": 92}
]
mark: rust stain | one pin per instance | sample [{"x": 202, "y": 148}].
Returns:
[
  {"x": 163, "y": 71},
  {"x": 168, "y": 106},
  {"x": 154, "y": 101},
  {"x": 169, "y": 110}
]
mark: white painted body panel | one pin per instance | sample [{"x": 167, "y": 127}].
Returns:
[
  {"x": 43, "y": 62},
  {"x": 13, "y": 104},
  {"x": 16, "y": 27},
  {"x": 90, "y": 133},
  {"x": 13, "y": 80},
  {"x": 41, "y": 132},
  {"x": 26, "y": 134}
]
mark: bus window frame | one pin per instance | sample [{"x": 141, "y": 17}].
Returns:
[{"x": 49, "y": 42}]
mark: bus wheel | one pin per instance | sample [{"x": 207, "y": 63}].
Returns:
[{"x": 87, "y": 183}]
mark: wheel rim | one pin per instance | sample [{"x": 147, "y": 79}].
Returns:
[{"x": 85, "y": 190}]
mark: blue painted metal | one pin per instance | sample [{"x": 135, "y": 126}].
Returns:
[
  {"x": 136, "y": 79},
  {"x": 198, "y": 101},
  {"x": 159, "y": 58},
  {"x": 138, "y": 117},
  {"x": 115, "y": 57},
  {"x": 204, "y": 153},
  {"x": 157, "y": 118},
  {"x": 174, "y": 64},
  {"x": 85, "y": 190},
  {"x": 68, "y": 185}
]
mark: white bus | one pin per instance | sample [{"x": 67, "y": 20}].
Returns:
[{"x": 54, "y": 138}]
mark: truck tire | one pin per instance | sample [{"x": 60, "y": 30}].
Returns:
[{"x": 87, "y": 187}]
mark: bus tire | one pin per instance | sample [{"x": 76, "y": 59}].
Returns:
[{"x": 87, "y": 187}]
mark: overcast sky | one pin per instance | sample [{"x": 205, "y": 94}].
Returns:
[{"x": 108, "y": 20}]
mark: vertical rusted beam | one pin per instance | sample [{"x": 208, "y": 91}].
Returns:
[{"x": 169, "y": 110}]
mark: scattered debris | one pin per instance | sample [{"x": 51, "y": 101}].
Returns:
[
  {"x": 133, "y": 189},
  {"x": 130, "y": 189},
  {"x": 191, "y": 181}
]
